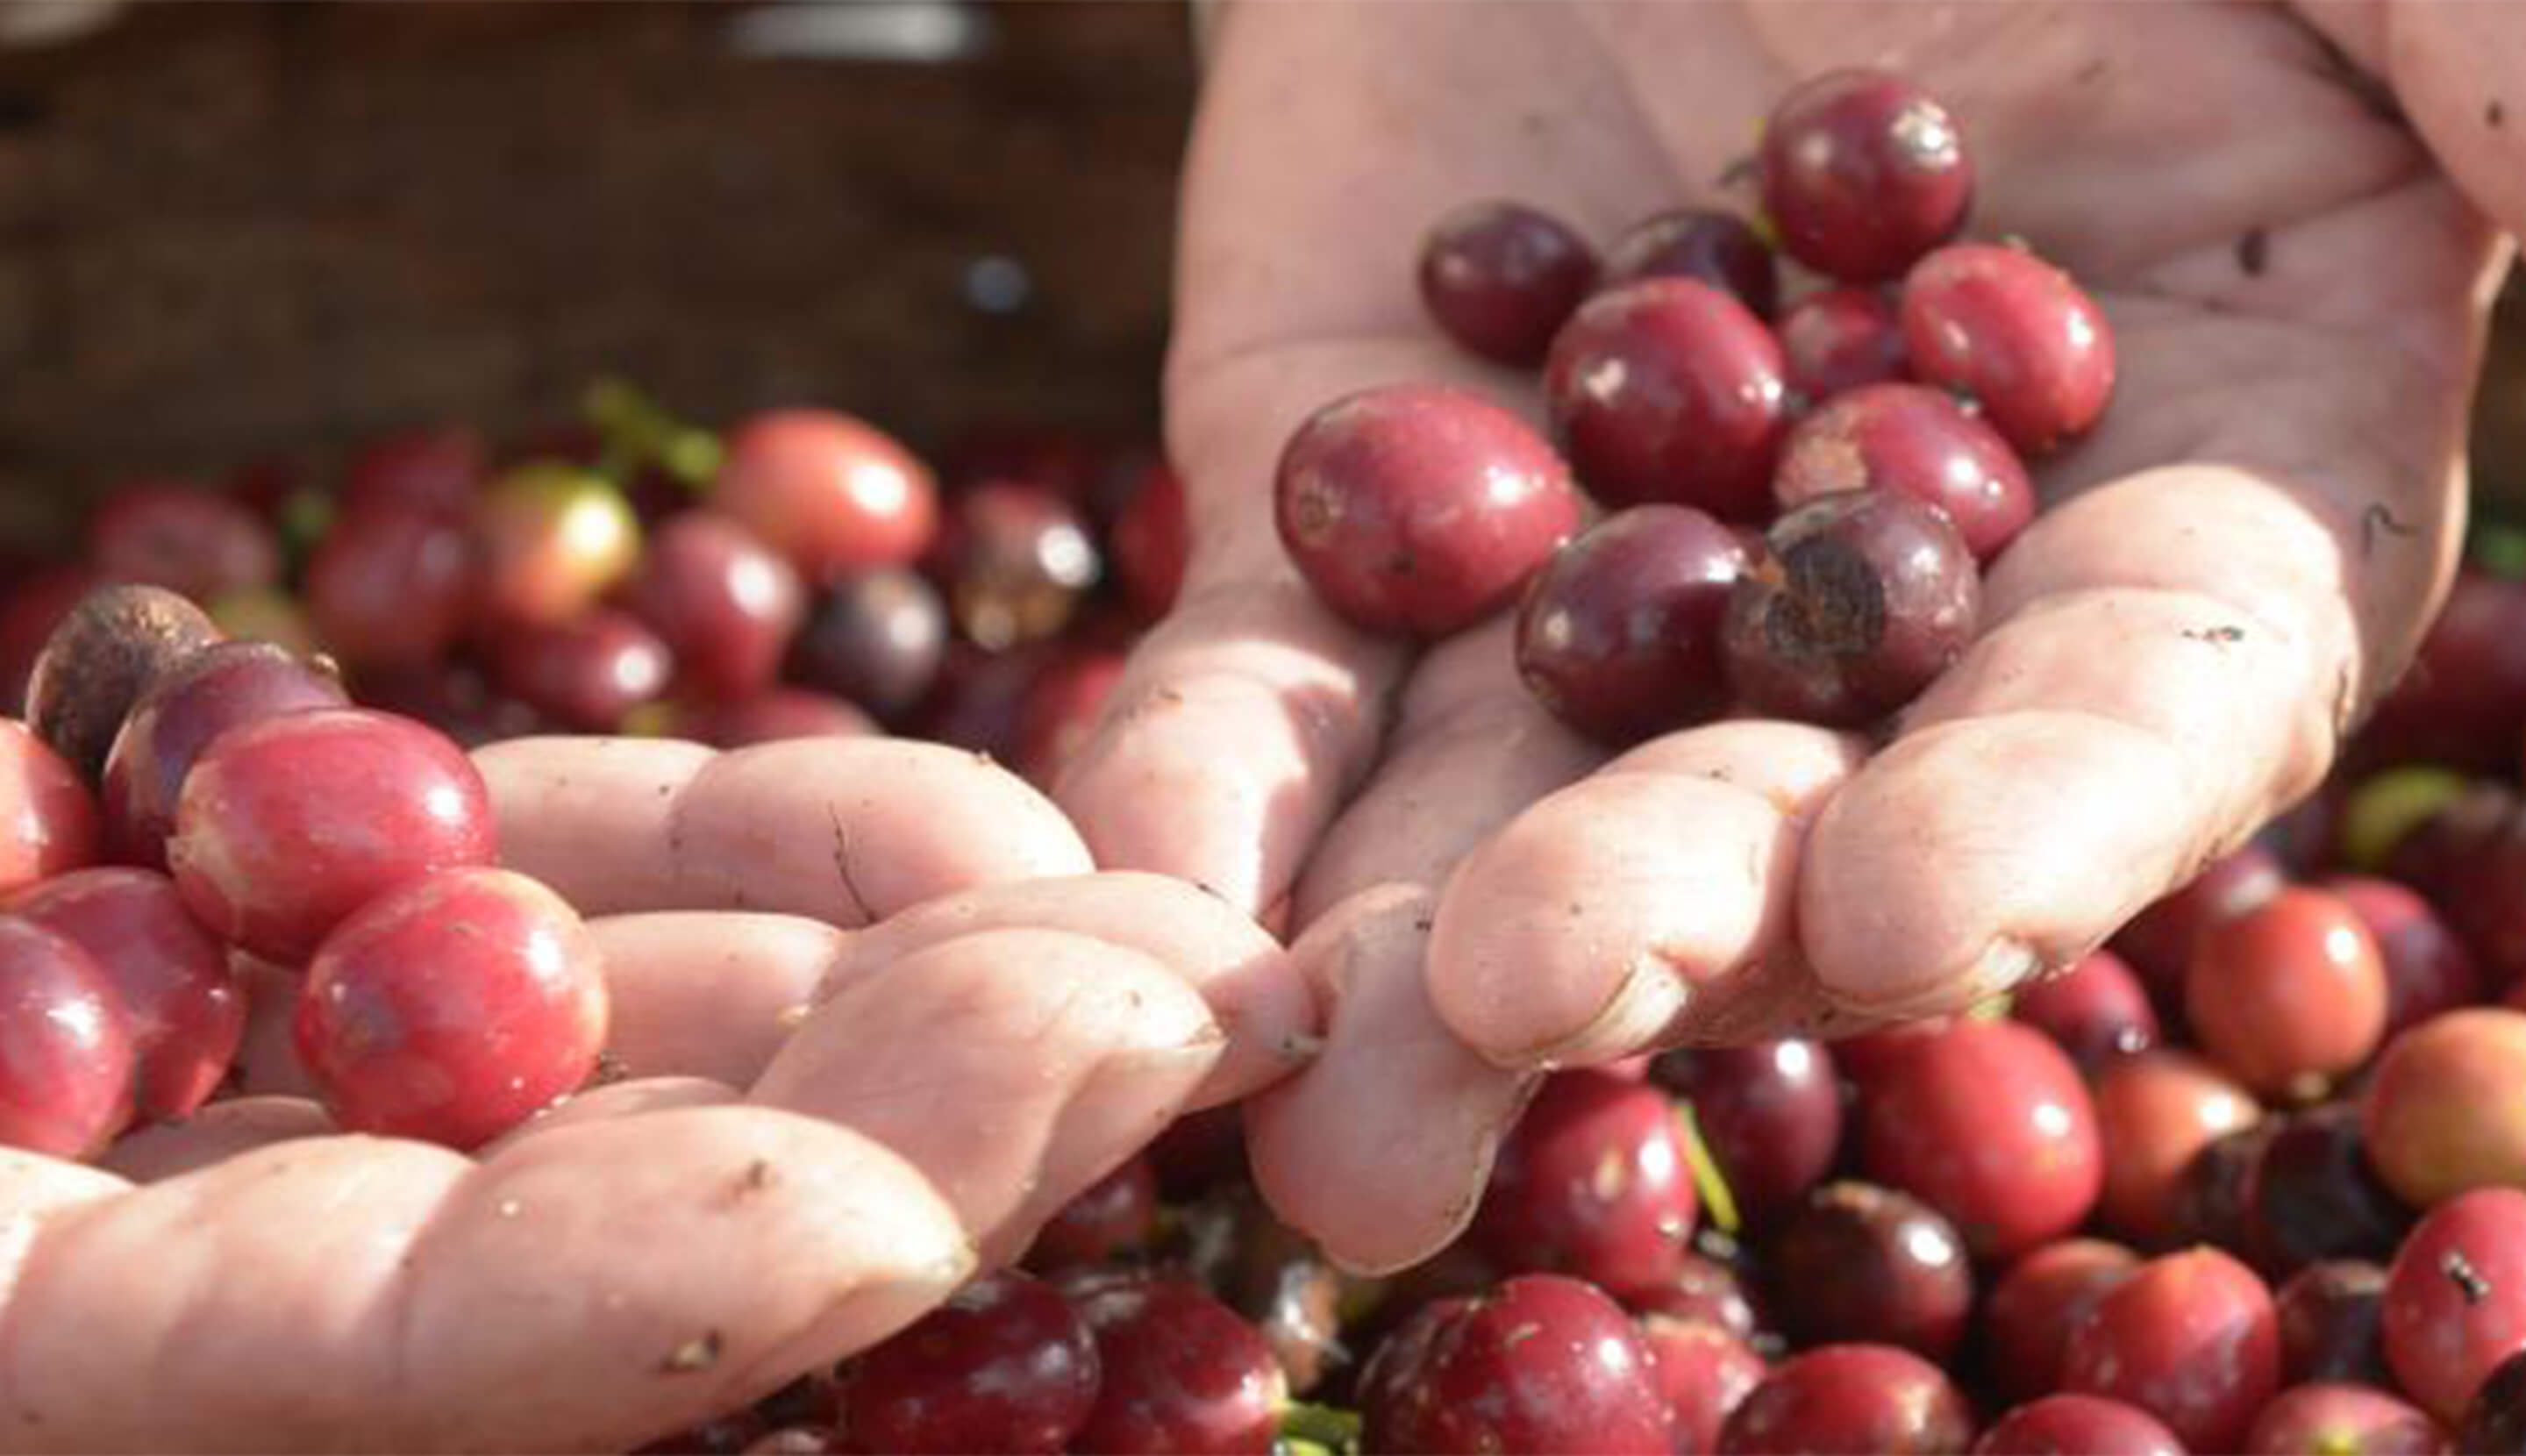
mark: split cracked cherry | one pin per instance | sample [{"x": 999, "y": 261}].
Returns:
[{"x": 1861, "y": 600}]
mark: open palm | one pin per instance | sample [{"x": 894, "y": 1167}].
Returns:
[{"x": 2230, "y": 568}]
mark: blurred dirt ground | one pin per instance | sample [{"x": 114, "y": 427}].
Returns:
[{"x": 227, "y": 227}]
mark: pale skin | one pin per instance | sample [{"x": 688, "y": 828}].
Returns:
[
  {"x": 2238, "y": 561},
  {"x": 2234, "y": 564}
]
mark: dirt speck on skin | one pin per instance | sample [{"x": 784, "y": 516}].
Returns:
[
  {"x": 758, "y": 1176},
  {"x": 693, "y": 1355},
  {"x": 2378, "y": 517},
  {"x": 842, "y": 865},
  {"x": 2218, "y": 636},
  {"x": 2091, "y": 73},
  {"x": 2255, "y": 252}
]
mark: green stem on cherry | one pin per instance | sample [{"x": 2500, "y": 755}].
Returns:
[
  {"x": 1308, "y": 1429},
  {"x": 638, "y": 430},
  {"x": 1707, "y": 1180},
  {"x": 306, "y": 514}
]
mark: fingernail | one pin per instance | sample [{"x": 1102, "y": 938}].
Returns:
[
  {"x": 2004, "y": 965},
  {"x": 1651, "y": 997}
]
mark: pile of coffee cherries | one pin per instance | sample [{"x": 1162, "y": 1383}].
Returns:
[
  {"x": 1801, "y": 497},
  {"x": 240, "y": 756},
  {"x": 2250, "y": 1179},
  {"x": 803, "y": 572},
  {"x": 186, "y": 806}
]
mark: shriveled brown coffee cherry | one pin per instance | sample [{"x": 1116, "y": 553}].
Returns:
[{"x": 99, "y": 660}]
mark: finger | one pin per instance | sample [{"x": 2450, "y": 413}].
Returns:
[
  {"x": 585, "y": 1291},
  {"x": 2173, "y": 659},
  {"x": 40, "y": 1188},
  {"x": 1014, "y": 1067},
  {"x": 845, "y": 830},
  {"x": 623, "y": 1268},
  {"x": 218, "y": 1130},
  {"x": 2322, "y": 408},
  {"x": 2454, "y": 71},
  {"x": 1610, "y": 917},
  {"x": 1380, "y": 1150},
  {"x": 1471, "y": 744},
  {"x": 1792, "y": 767},
  {"x": 708, "y": 993},
  {"x": 618, "y": 1099},
  {"x": 703, "y": 1258},
  {"x": 1235, "y": 731},
  {"x": 1254, "y": 990},
  {"x": 592, "y": 818}
]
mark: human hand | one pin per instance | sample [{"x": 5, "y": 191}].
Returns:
[
  {"x": 2236, "y": 562},
  {"x": 876, "y": 1021}
]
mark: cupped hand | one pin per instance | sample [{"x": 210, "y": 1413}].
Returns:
[
  {"x": 2229, "y": 570},
  {"x": 874, "y": 1021}
]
